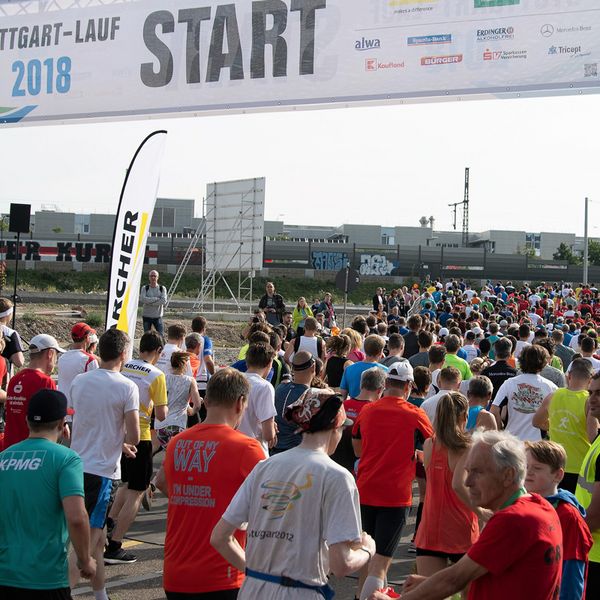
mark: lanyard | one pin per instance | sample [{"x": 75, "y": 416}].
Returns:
[{"x": 520, "y": 492}]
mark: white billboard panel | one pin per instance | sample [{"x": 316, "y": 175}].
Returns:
[
  {"x": 235, "y": 224},
  {"x": 153, "y": 57}
]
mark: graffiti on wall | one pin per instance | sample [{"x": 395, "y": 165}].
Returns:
[
  {"x": 375, "y": 264},
  {"x": 328, "y": 261}
]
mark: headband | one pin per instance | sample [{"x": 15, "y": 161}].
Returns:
[
  {"x": 305, "y": 365},
  {"x": 7, "y": 312}
]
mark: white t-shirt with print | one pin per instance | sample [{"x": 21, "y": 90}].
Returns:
[
  {"x": 261, "y": 407},
  {"x": 100, "y": 399},
  {"x": 70, "y": 364},
  {"x": 164, "y": 360},
  {"x": 525, "y": 393},
  {"x": 296, "y": 504}
]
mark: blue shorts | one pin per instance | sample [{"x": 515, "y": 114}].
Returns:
[{"x": 99, "y": 494}]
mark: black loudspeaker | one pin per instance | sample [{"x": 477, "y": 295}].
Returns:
[{"x": 19, "y": 218}]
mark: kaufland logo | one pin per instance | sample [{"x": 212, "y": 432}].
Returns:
[
  {"x": 373, "y": 64},
  {"x": 365, "y": 44},
  {"x": 441, "y": 60}
]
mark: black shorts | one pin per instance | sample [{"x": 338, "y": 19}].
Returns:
[
  {"x": 99, "y": 496},
  {"x": 453, "y": 558},
  {"x": 12, "y": 593},
  {"x": 137, "y": 472},
  {"x": 384, "y": 524},
  {"x": 219, "y": 595}
]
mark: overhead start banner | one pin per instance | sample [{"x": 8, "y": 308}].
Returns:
[
  {"x": 154, "y": 57},
  {"x": 132, "y": 226}
]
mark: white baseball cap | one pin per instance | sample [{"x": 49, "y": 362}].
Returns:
[
  {"x": 42, "y": 342},
  {"x": 443, "y": 332},
  {"x": 401, "y": 371}
]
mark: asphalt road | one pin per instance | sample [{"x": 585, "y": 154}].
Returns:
[{"x": 143, "y": 579}]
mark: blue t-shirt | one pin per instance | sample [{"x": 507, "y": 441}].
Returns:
[
  {"x": 352, "y": 374},
  {"x": 36, "y": 475}
]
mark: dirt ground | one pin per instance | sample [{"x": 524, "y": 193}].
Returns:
[{"x": 57, "y": 320}]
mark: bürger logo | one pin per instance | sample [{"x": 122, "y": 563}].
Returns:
[{"x": 441, "y": 60}]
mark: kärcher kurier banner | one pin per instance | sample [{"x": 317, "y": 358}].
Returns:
[{"x": 188, "y": 57}]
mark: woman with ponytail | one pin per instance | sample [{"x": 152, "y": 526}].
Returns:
[{"x": 449, "y": 526}]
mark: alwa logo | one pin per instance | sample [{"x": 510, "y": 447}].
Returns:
[
  {"x": 365, "y": 44},
  {"x": 489, "y": 3}
]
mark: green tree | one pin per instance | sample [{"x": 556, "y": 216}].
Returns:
[
  {"x": 594, "y": 253},
  {"x": 565, "y": 252}
]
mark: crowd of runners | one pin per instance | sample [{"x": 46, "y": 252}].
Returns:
[{"x": 299, "y": 461}]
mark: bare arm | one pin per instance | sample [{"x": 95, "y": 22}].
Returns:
[
  {"x": 347, "y": 557},
  {"x": 160, "y": 412},
  {"x": 78, "y": 525},
  {"x": 486, "y": 421},
  {"x": 132, "y": 427},
  {"x": 458, "y": 480},
  {"x": 268, "y": 431},
  {"x": 427, "y": 447},
  {"x": 593, "y": 510},
  {"x": 444, "y": 583},
  {"x": 210, "y": 364},
  {"x": 357, "y": 447},
  {"x": 17, "y": 359},
  {"x": 541, "y": 416},
  {"x": 227, "y": 546},
  {"x": 288, "y": 352},
  {"x": 195, "y": 398},
  {"x": 496, "y": 411}
]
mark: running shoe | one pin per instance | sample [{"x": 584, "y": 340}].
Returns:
[
  {"x": 412, "y": 549},
  {"x": 119, "y": 557},
  {"x": 148, "y": 497}
]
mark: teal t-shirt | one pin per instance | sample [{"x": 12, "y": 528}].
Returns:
[{"x": 35, "y": 475}]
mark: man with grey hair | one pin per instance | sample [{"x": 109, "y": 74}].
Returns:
[
  {"x": 520, "y": 549},
  {"x": 153, "y": 298}
]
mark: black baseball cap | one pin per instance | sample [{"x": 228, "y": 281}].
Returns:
[{"x": 46, "y": 406}]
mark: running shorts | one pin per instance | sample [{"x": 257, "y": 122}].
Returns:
[
  {"x": 99, "y": 494},
  {"x": 384, "y": 524},
  {"x": 137, "y": 472},
  {"x": 165, "y": 434}
]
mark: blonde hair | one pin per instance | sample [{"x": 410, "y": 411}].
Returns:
[
  {"x": 355, "y": 338},
  {"x": 448, "y": 427}
]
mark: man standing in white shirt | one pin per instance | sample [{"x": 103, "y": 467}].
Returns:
[
  {"x": 259, "y": 419},
  {"x": 105, "y": 424}
]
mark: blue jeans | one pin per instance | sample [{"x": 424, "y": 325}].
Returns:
[{"x": 157, "y": 322}]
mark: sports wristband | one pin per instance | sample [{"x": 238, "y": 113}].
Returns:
[{"x": 367, "y": 551}]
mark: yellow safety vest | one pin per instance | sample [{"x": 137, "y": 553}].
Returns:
[{"x": 585, "y": 487}]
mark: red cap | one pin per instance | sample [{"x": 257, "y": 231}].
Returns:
[{"x": 80, "y": 330}]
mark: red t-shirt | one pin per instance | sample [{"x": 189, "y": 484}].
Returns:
[
  {"x": 521, "y": 548},
  {"x": 20, "y": 389},
  {"x": 577, "y": 539},
  {"x": 353, "y": 407},
  {"x": 389, "y": 429},
  {"x": 204, "y": 468}
]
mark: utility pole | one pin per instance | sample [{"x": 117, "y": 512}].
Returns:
[
  {"x": 465, "y": 205},
  {"x": 585, "y": 244}
]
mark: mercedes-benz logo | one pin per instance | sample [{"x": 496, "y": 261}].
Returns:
[{"x": 547, "y": 30}]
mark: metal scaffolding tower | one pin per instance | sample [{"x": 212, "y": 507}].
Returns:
[{"x": 465, "y": 205}]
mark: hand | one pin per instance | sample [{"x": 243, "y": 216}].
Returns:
[
  {"x": 272, "y": 443},
  {"x": 129, "y": 450},
  {"x": 66, "y": 433},
  {"x": 413, "y": 582},
  {"x": 366, "y": 541},
  {"x": 87, "y": 569}
]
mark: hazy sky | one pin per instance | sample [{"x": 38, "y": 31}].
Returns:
[{"x": 532, "y": 162}]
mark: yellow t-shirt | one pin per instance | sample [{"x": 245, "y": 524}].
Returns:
[{"x": 153, "y": 390}]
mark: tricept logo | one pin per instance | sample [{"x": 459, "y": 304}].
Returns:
[{"x": 427, "y": 61}]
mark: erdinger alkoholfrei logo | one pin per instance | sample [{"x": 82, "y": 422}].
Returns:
[{"x": 490, "y": 3}]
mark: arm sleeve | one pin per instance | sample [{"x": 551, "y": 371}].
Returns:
[
  {"x": 70, "y": 479},
  {"x": 158, "y": 390},
  {"x": 501, "y": 395},
  {"x": 344, "y": 383},
  {"x": 341, "y": 510},
  {"x": 132, "y": 402},
  {"x": 208, "y": 347},
  {"x": 238, "y": 510},
  {"x": 265, "y": 407},
  {"x": 262, "y": 302},
  {"x": 143, "y": 298},
  {"x": 163, "y": 296},
  {"x": 573, "y": 580},
  {"x": 251, "y": 456}
]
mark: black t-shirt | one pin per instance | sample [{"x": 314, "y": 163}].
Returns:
[
  {"x": 411, "y": 344},
  {"x": 13, "y": 342},
  {"x": 334, "y": 370},
  {"x": 498, "y": 373}
]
